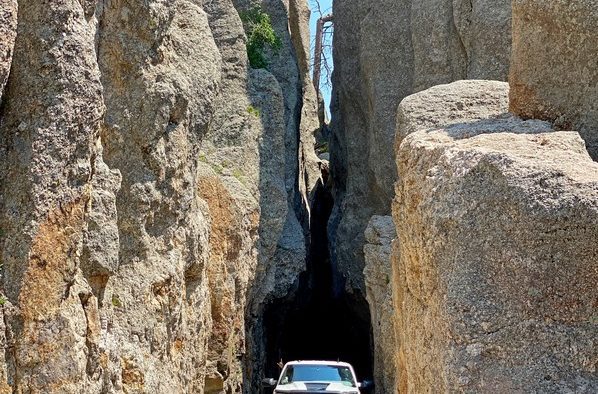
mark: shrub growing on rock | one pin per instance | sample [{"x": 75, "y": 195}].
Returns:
[{"x": 260, "y": 34}]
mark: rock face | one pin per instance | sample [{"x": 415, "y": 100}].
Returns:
[
  {"x": 554, "y": 75},
  {"x": 495, "y": 263},
  {"x": 148, "y": 191},
  {"x": 50, "y": 125},
  {"x": 8, "y": 32},
  {"x": 384, "y": 51},
  {"x": 156, "y": 195},
  {"x": 378, "y": 278}
]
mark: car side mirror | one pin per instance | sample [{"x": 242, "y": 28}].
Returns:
[
  {"x": 366, "y": 384},
  {"x": 269, "y": 382}
]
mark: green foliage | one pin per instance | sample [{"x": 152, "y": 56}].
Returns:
[
  {"x": 203, "y": 158},
  {"x": 253, "y": 111},
  {"x": 2, "y": 300},
  {"x": 260, "y": 34}
]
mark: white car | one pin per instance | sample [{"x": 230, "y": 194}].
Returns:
[{"x": 307, "y": 377}]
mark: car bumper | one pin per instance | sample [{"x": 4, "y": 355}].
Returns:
[{"x": 314, "y": 392}]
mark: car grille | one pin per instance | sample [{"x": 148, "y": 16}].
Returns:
[{"x": 314, "y": 388}]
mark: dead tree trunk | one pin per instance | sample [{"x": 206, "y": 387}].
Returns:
[{"x": 318, "y": 51}]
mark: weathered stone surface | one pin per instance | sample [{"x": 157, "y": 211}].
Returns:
[
  {"x": 245, "y": 152},
  {"x": 554, "y": 71},
  {"x": 148, "y": 193},
  {"x": 484, "y": 28},
  {"x": 8, "y": 33},
  {"x": 378, "y": 278},
  {"x": 163, "y": 57},
  {"x": 290, "y": 67},
  {"x": 495, "y": 264},
  {"x": 101, "y": 241},
  {"x": 253, "y": 144},
  {"x": 384, "y": 51},
  {"x": 230, "y": 166},
  {"x": 283, "y": 97},
  {"x": 458, "y": 102},
  {"x": 49, "y": 125}
]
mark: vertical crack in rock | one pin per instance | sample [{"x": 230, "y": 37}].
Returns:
[
  {"x": 320, "y": 320},
  {"x": 288, "y": 169}
]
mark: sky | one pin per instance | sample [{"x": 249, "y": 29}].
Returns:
[{"x": 326, "y": 7}]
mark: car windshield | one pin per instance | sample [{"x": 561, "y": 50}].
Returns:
[{"x": 318, "y": 373}]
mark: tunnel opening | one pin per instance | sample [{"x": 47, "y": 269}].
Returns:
[{"x": 319, "y": 321}]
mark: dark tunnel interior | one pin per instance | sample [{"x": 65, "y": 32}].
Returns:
[{"x": 319, "y": 322}]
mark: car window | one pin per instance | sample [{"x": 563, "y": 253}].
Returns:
[{"x": 318, "y": 373}]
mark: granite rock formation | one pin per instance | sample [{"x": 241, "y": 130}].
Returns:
[
  {"x": 148, "y": 183},
  {"x": 494, "y": 262},
  {"x": 159, "y": 197},
  {"x": 554, "y": 72},
  {"x": 385, "y": 51},
  {"x": 378, "y": 279},
  {"x": 8, "y": 32}
]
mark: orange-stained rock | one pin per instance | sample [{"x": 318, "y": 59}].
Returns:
[{"x": 148, "y": 191}]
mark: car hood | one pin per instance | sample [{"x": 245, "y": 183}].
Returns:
[{"x": 316, "y": 387}]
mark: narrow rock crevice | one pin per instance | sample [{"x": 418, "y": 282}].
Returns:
[{"x": 320, "y": 321}]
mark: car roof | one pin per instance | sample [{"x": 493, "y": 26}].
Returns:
[{"x": 319, "y": 362}]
